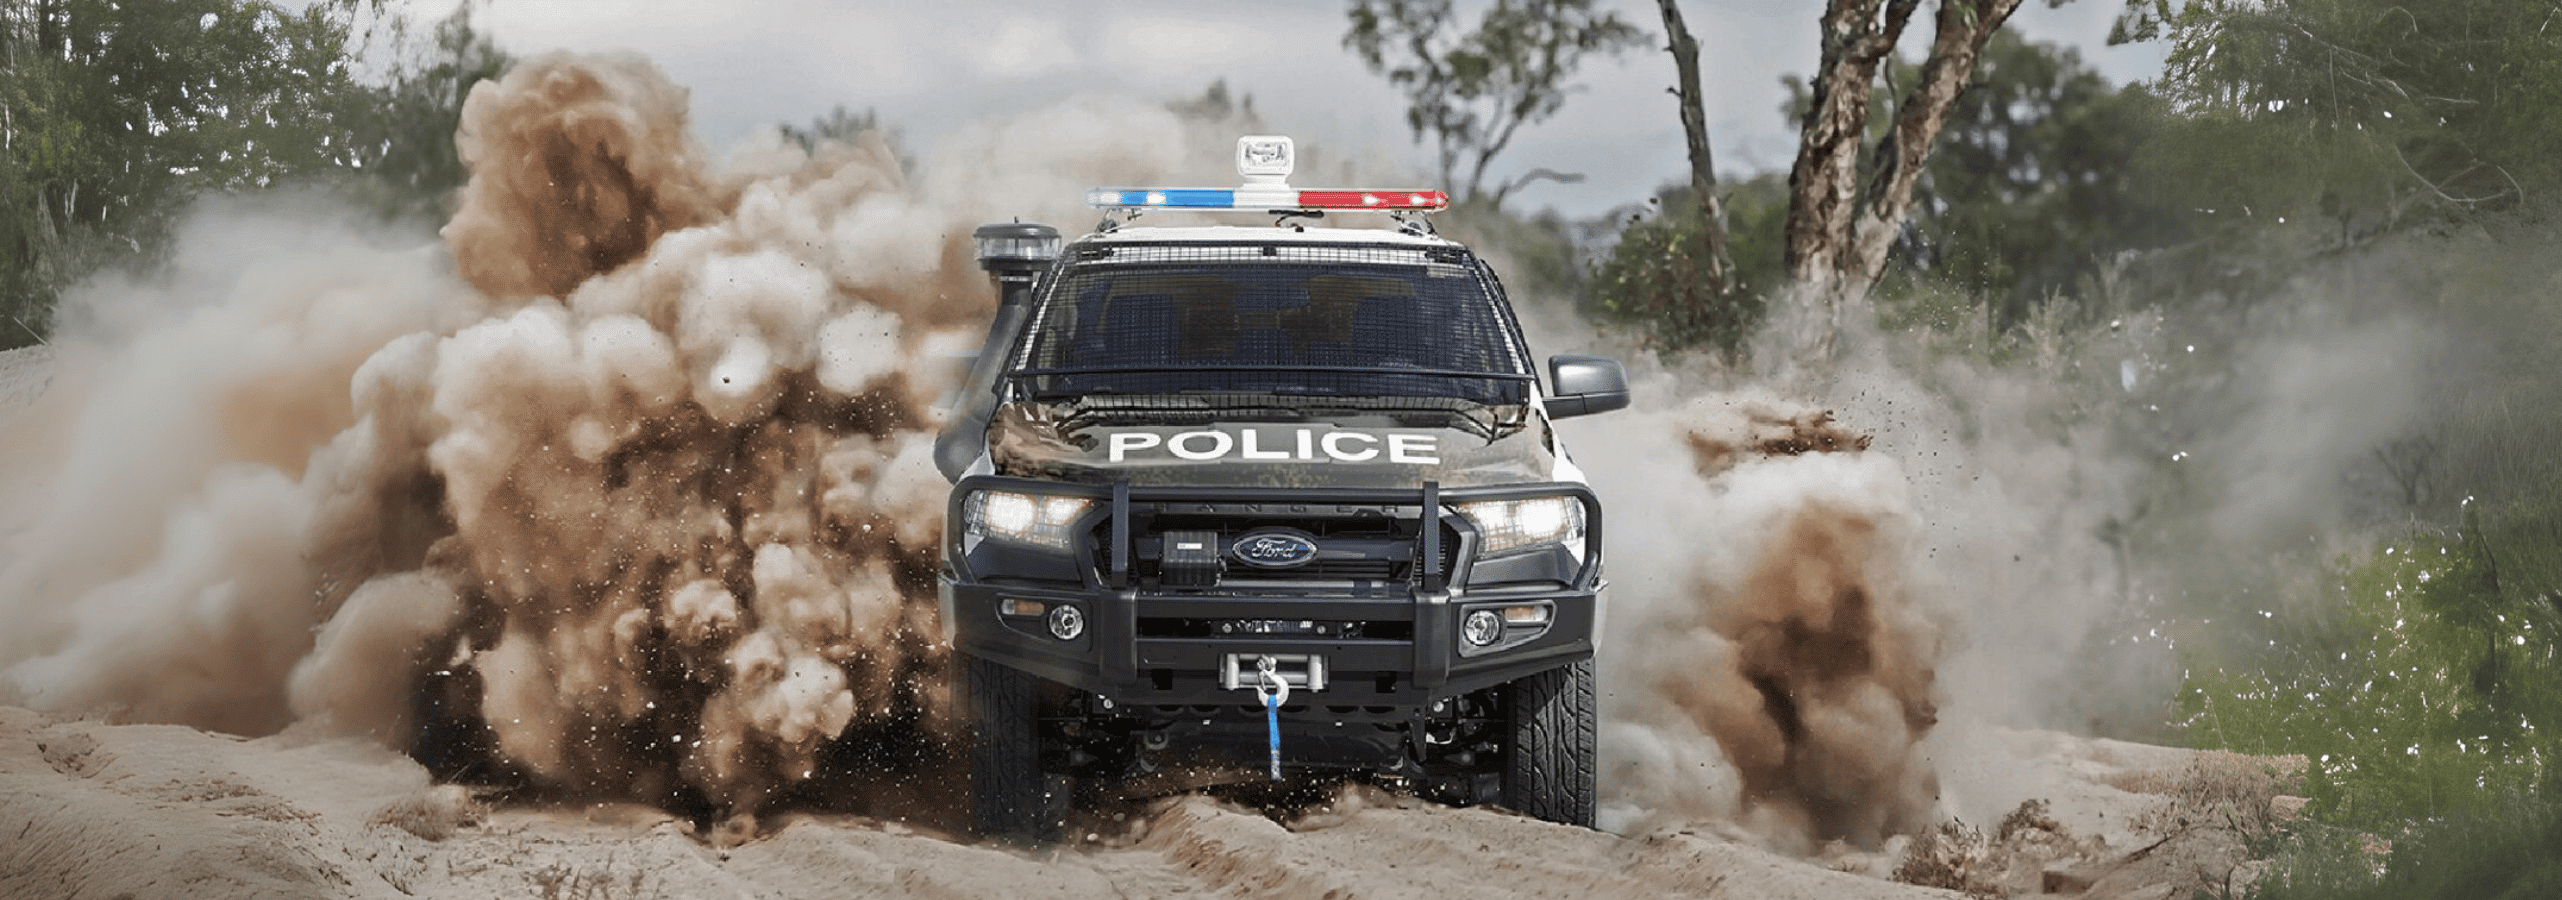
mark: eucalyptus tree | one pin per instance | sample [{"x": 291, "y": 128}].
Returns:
[{"x": 1471, "y": 89}]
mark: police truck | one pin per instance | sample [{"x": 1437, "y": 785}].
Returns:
[{"x": 1263, "y": 502}]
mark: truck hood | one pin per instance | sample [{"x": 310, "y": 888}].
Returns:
[{"x": 1212, "y": 447}]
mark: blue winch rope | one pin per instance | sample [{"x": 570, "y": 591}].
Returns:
[{"x": 1272, "y": 724}]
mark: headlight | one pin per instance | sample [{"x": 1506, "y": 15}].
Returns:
[
  {"x": 1507, "y": 525},
  {"x": 1023, "y": 518}
]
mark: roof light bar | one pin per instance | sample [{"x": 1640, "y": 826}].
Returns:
[
  {"x": 1264, "y": 163},
  {"x": 1261, "y": 200}
]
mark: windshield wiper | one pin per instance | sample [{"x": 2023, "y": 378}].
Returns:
[
  {"x": 1336, "y": 370},
  {"x": 1485, "y": 421}
]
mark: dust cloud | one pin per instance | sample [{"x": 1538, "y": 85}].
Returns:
[
  {"x": 1826, "y": 690},
  {"x": 1771, "y": 663},
  {"x": 640, "y": 465},
  {"x": 1850, "y": 575},
  {"x": 168, "y": 547},
  {"x": 688, "y": 494},
  {"x": 644, "y": 451},
  {"x": 2032, "y": 535},
  {"x": 641, "y": 462}
]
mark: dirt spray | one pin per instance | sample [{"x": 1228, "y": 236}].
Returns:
[
  {"x": 642, "y": 446},
  {"x": 646, "y": 452}
]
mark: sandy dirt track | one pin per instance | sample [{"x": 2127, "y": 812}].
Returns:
[{"x": 97, "y": 810}]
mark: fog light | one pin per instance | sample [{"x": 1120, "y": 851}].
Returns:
[
  {"x": 1066, "y": 622},
  {"x": 1482, "y": 627}
]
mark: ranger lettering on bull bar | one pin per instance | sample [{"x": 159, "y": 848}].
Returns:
[{"x": 1247, "y": 502}]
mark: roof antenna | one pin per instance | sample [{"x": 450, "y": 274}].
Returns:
[{"x": 1283, "y": 217}]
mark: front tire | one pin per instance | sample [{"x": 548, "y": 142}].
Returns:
[
  {"x": 1010, "y": 797},
  {"x": 446, "y": 733},
  {"x": 1551, "y": 745}
]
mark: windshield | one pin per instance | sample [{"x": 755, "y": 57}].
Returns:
[{"x": 1327, "y": 321}]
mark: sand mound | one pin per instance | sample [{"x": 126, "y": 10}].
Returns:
[{"x": 144, "y": 811}]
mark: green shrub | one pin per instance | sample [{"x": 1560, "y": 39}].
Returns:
[
  {"x": 1654, "y": 278},
  {"x": 2510, "y": 850},
  {"x": 2427, "y": 703},
  {"x": 2430, "y": 695}
]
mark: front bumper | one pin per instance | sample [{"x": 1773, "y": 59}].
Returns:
[{"x": 1388, "y": 646}]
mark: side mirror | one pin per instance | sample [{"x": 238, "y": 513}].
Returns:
[{"x": 1585, "y": 385}]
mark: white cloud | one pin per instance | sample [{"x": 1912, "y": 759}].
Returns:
[{"x": 1021, "y": 47}]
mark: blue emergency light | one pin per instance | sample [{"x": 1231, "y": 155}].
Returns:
[{"x": 1265, "y": 162}]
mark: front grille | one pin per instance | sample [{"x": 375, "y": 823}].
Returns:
[
  {"x": 1351, "y": 569},
  {"x": 1362, "y": 547}
]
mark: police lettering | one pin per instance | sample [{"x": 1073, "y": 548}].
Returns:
[{"x": 1260, "y": 445}]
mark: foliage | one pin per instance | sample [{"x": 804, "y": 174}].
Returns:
[
  {"x": 2025, "y": 200},
  {"x": 2364, "y": 113},
  {"x": 113, "y": 115},
  {"x": 1471, "y": 91},
  {"x": 839, "y": 126},
  {"x": 2429, "y": 694},
  {"x": 1536, "y": 254},
  {"x": 110, "y": 112},
  {"x": 1650, "y": 278},
  {"x": 843, "y": 126},
  {"x": 2499, "y": 285},
  {"x": 2510, "y": 851},
  {"x": 2427, "y": 704},
  {"x": 2030, "y": 189},
  {"x": 1216, "y": 104},
  {"x": 403, "y": 129}
]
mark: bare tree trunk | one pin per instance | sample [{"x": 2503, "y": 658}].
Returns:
[
  {"x": 1838, "y": 235},
  {"x": 1823, "y": 184},
  {"x": 1703, "y": 170},
  {"x": 1964, "y": 26}
]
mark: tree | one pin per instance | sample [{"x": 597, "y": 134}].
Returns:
[
  {"x": 1716, "y": 258},
  {"x": 1838, "y": 232},
  {"x": 113, "y": 115},
  {"x": 1216, "y": 104},
  {"x": 1836, "y": 235},
  {"x": 402, "y": 130},
  {"x": 840, "y": 126},
  {"x": 2033, "y": 180},
  {"x": 1472, "y": 92},
  {"x": 1654, "y": 276},
  {"x": 2362, "y": 112}
]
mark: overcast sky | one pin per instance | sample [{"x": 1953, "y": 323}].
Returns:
[{"x": 929, "y": 66}]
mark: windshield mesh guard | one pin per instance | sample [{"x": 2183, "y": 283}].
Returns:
[{"x": 1273, "y": 318}]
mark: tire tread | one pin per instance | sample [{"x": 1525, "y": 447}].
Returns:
[
  {"x": 1008, "y": 791},
  {"x": 1550, "y": 765}
]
